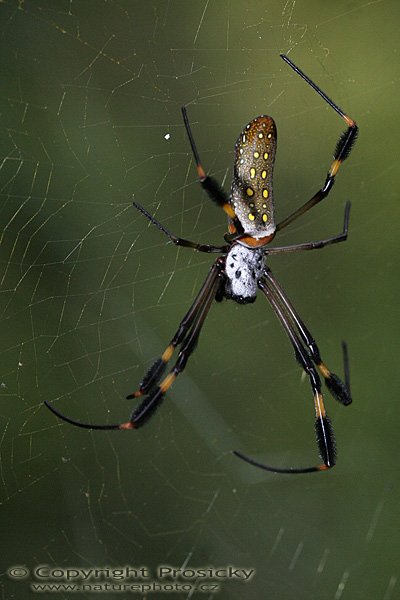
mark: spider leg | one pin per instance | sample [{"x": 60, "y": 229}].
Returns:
[
  {"x": 340, "y": 237},
  {"x": 178, "y": 241},
  {"x": 79, "y": 423},
  {"x": 156, "y": 395},
  {"x": 336, "y": 386},
  {"x": 214, "y": 190},
  {"x": 323, "y": 426},
  {"x": 346, "y": 366},
  {"x": 157, "y": 369},
  {"x": 187, "y": 334},
  {"x": 342, "y": 150}
]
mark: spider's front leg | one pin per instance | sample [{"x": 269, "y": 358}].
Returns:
[
  {"x": 186, "y": 336},
  {"x": 323, "y": 427},
  {"x": 307, "y": 353},
  {"x": 339, "y": 390},
  {"x": 157, "y": 369}
]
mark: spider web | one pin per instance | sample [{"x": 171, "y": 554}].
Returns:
[{"x": 91, "y": 294}]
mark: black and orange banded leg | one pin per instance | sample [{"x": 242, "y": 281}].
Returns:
[
  {"x": 335, "y": 385},
  {"x": 187, "y": 335},
  {"x": 342, "y": 150},
  {"x": 157, "y": 369},
  {"x": 323, "y": 427},
  {"x": 215, "y": 192},
  {"x": 152, "y": 401}
]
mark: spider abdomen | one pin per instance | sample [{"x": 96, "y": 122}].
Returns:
[
  {"x": 243, "y": 268},
  {"x": 251, "y": 193}
]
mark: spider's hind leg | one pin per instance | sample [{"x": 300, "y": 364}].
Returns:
[
  {"x": 343, "y": 148},
  {"x": 214, "y": 190}
]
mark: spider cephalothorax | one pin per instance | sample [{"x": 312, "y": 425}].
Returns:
[{"x": 242, "y": 270}]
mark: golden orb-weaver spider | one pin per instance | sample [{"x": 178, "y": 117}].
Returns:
[{"x": 241, "y": 270}]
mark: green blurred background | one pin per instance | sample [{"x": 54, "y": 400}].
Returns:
[{"x": 90, "y": 294}]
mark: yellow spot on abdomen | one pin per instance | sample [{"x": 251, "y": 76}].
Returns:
[
  {"x": 265, "y": 155},
  {"x": 250, "y": 192},
  {"x": 264, "y": 174},
  {"x": 261, "y": 135},
  {"x": 265, "y": 193},
  {"x": 251, "y": 217},
  {"x": 256, "y": 155},
  {"x": 265, "y": 218},
  {"x": 252, "y": 172}
]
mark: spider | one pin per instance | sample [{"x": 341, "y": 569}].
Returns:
[{"x": 241, "y": 270}]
